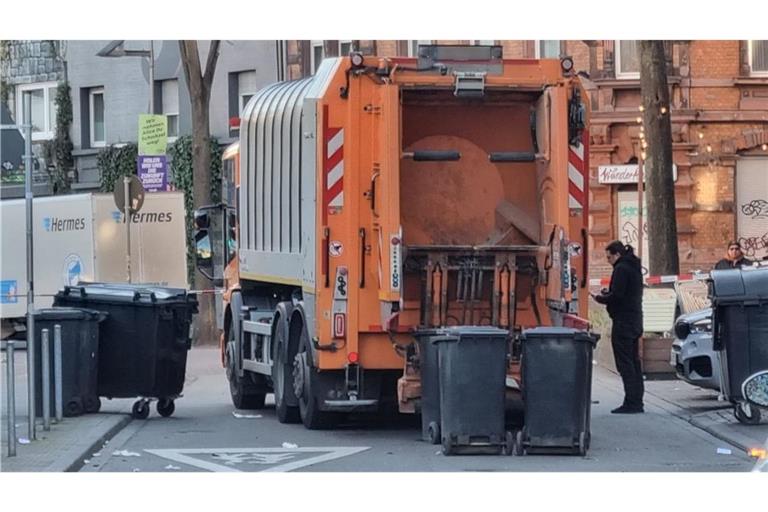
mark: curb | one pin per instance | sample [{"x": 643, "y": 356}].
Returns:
[
  {"x": 715, "y": 428},
  {"x": 74, "y": 466}
]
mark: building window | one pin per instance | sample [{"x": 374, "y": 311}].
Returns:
[
  {"x": 758, "y": 58},
  {"x": 316, "y": 55},
  {"x": 42, "y": 96},
  {"x": 246, "y": 88},
  {"x": 169, "y": 98},
  {"x": 413, "y": 46},
  {"x": 96, "y": 118},
  {"x": 345, "y": 48},
  {"x": 482, "y": 42},
  {"x": 627, "y": 59},
  {"x": 548, "y": 49}
]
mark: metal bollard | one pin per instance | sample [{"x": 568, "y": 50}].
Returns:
[
  {"x": 46, "y": 370},
  {"x": 57, "y": 382},
  {"x": 10, "y": 373},
  {"x": 31, "y": 384}
]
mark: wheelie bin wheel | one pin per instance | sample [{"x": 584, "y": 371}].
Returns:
[
  {"x": 73, "y": 408},
  {"x": 746, "y": 414},
  {"x": 140, "y": 410},
  {"x": 434, "y": 432},
  {"x": 92, "y": 404},
  {"x": 448, "y": 448},
  {"x": 519, "y": 449},
  {"x": 165, "y": 407},
  {"x": 582, "y": 443},
  {"x": 509, "y": 444}
]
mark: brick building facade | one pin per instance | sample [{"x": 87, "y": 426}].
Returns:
[{"x": 719, "y": 96}]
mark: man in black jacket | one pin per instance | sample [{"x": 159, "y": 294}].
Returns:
[
  {"x": 734, "y": 258},
  {"x": 624, "y": 301}
]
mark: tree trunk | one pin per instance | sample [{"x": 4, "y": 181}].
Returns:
[
  {"x": 660, "y": 188},
  {"x": 199, "y": 85}
]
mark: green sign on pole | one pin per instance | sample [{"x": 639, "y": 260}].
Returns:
[{"x": 153, "y": 134}]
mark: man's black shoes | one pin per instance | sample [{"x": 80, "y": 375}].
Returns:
[{"x": 628, "y": 409}]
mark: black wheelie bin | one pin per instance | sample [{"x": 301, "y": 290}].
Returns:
[
  {"x": 473, "y": 369},
  {"x": 79, "y": 359},
  {"x": 740, "y": 333},
  {"x": 430, "y": 383},
  {"x": 143, "y": 343},
  {"x": 556, "y": 368}
]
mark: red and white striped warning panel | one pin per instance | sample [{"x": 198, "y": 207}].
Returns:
[
  {"x": 333, "y": 165},
  {"x": 578, "y": 175},
  {"x": 700, "y": 276}
]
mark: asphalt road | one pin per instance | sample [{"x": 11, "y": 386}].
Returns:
[{"x": 204, "y": 435}]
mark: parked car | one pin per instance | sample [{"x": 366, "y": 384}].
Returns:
[{"x": 692, "y": 354}]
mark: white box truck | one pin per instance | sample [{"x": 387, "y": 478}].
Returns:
[{"x": 82, "y": 238}]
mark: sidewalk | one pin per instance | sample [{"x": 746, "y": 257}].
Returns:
[{"x": 69, "y": 444}]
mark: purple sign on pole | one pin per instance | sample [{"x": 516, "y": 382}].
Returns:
[{"x": 153, "y": 172}]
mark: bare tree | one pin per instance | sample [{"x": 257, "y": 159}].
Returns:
[
  {"x": 660, "y": 188},
  {"x": 199, "y": 84}
]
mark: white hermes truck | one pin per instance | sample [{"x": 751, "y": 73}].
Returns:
[{"x": 82, "y": 238}]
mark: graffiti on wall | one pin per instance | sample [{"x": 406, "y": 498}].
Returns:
[
  {"x": 754, "y": 245},
  {"x": 757, "y": 209}
]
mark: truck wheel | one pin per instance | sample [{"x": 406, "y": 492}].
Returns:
[
  {"x": 242, "y": 391},
  {"x": 306, "y": 391},
  {"x": 282, "y": 379}
]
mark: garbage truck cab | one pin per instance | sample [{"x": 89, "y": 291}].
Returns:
[{"x": 384, "y": 196}]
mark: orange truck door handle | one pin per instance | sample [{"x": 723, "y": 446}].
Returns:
[
  {"x": 362, "y": 257},
  {"x": 373, "y": 193}
]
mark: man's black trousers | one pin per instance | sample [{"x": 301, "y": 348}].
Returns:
[{"x": 625, "y": 340}]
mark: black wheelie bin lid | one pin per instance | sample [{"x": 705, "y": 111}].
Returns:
[
  {"x": 63, "y": 313},
  {"x": 545, "y": 333},
  {"x": 745, "y": 286},
  {"x": 124, "y": 292},
  {"x": 456, "y": 333}
]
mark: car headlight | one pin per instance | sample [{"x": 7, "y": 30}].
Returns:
[{"x": 701, "y": 326}]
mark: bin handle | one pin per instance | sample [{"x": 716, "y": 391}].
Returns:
[
  {"x": 138, "y": 293},
  {"x": 68, "y": 290}
]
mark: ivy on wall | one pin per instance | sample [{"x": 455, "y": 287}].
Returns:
[
  {"x": 115, "y": 162},
  {"x": 182, "y": 172},
  {"x": 58, "y": 151}
]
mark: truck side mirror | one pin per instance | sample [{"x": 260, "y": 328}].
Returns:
[
  {"x": 204, "y": 253},
  {"x": 202, "y": 220}
]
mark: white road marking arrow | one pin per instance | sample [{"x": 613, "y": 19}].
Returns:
[{"x": 266, "y": 456}]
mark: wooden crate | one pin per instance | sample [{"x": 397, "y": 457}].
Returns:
[{"x": 655, "y": 357}]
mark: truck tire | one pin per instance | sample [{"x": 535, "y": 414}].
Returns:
[
  {"x": 244, "y": 393},
  {"x": 282, "y": 378},
  {"x": 305, "y": 388}
]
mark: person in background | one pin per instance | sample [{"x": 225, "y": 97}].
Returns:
[
  {"x": 624, "y": 301},
  {"x": 734, "y": 258}
]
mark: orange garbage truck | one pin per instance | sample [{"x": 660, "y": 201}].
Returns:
[{"x": 384, "y": 196}]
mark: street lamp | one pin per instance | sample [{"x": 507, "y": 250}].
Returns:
[{"x": 117, "y": 49}]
